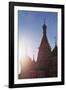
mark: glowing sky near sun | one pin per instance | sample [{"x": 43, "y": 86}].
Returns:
[{"x": 30, "y": 31}]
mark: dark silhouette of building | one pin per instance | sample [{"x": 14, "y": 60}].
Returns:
[
  {"x": 53, "y": 63},
  {"x": 43, "y": 55},
  {"x": 46, "y": 65}
]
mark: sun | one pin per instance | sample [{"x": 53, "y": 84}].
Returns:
[
  {"x": 26, "y": 49},
  {"x": 22, "y": 51}
]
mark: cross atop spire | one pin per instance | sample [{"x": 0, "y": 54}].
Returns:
[{"x": 45, "y": 20}]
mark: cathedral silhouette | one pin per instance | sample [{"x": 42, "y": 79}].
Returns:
[{"x": 46, "y": 64}]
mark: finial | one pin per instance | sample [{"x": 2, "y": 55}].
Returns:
[{"x": 45, "y": 20}]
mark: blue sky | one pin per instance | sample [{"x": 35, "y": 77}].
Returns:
[{"x": 30, "y": 28}]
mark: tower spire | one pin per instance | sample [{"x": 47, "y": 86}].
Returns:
[{"x": 55, "y": 41}]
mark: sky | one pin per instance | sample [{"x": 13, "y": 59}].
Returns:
[{"x": 30, "y": 30}]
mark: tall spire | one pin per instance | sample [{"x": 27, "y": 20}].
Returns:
[
  {"x": 55, "y": 42},
  {"x": 44, "y": 42}
]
